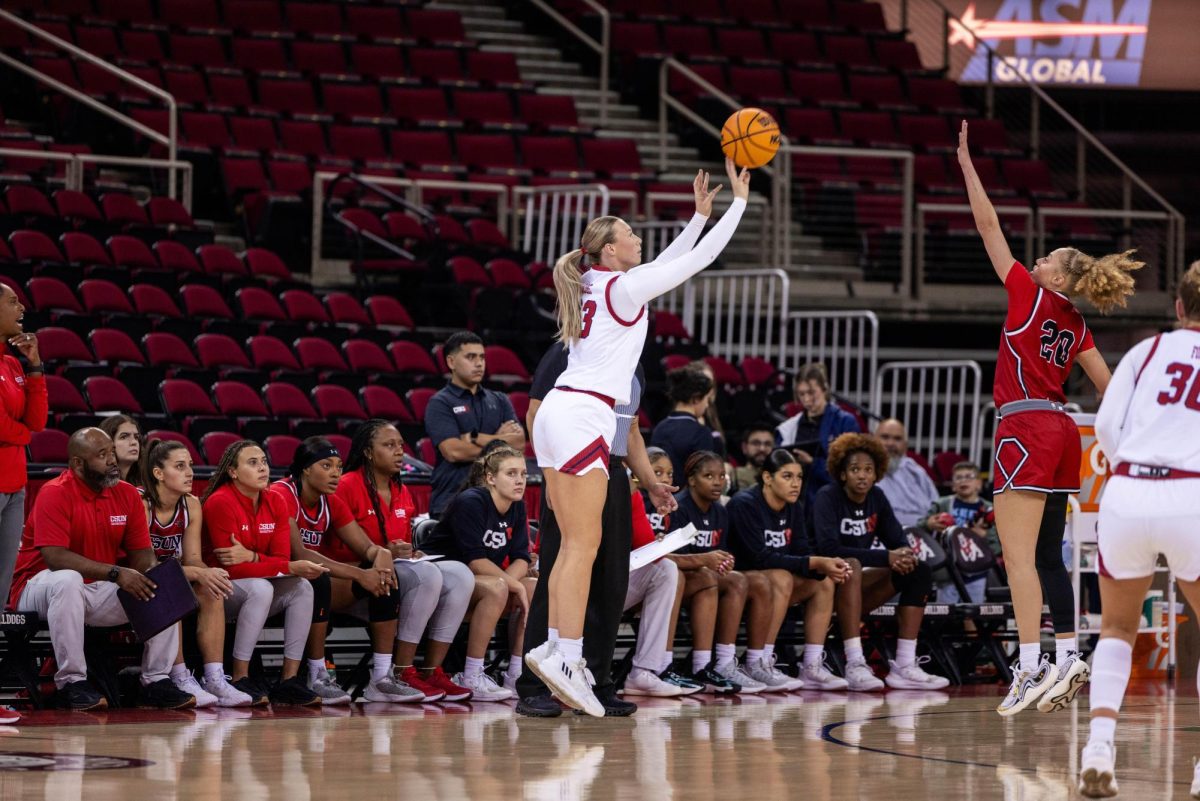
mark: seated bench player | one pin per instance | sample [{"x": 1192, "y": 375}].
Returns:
[{"x": 67, "y": 571}]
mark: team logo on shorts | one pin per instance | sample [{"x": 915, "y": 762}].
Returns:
[{"x": 36, "y": 760}]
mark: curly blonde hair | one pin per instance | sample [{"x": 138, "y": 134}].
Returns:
[
  {"x": 849, "y": 444},
  {"x": 1105, "y": 282},
  {"x": 1189, "y": 291}
]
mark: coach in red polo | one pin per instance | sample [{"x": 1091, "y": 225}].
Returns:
[{"x": 67, "y": 570}]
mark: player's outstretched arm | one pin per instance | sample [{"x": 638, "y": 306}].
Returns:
[
  {"x": 986, "y": 220},
  {"x": 689, "y": 235},
  {"x": 640, "y": 285}
]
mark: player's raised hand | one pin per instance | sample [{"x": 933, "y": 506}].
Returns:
[
  {"x": 740, "y": 181},
  {"x": 704, "y": 196},
  {"x": 964, "y": 154}
]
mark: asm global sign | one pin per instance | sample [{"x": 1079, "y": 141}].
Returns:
[{"x": 1106, "y": 43}]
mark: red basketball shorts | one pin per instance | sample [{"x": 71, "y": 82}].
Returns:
[{"x": 1037, "y": 451}]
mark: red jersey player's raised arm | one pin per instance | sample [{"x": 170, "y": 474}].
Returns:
[{"x": 986, "y": 220}]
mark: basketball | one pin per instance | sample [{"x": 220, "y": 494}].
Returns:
[{"x": 750, "y": 137}]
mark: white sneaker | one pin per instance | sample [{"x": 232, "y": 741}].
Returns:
[
  {"x": 388, "y": 689},
  {"x": 510, "y": 683},
  {"x": 912, "y": 677},
  {"x": 482, "y": 687},
  {"x": 325, "y": 687},
  {"x": 190, "y": 686},
  {"x": 1195, "y": 778},
  {"x": 1097, "y": 778},
  {"x": 226, "y": 693},
  {"x": 861, "y": 679},
  {"x": 1069, "y": 677},
  {"x": 567, "y": 680},
  {"x": 735, "y": 672},
  {"x": 764, "y": 671},
  {"x": 1027, "y": 686},
  {"x": 818, "y": 677},
  {"x": 643, "y": 682}
]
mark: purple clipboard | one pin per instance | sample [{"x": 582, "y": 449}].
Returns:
[{"x": 172, "y": 601}]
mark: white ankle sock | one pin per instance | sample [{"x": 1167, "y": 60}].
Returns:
[
  {"x": 700, "y": 660},
  {"x": 1102, "y": 730},
  {"x": 315, "y": 666},
  {"x": 572, "y": 650},
  {"x": 906, "y": 652},
  {"x": 552, "y": 635},
  {"x": 214, "y": 671},
  {"x": 515, "y": 666},
  {"x": 1111, "y": 664},
  {"x": 726, "y": 652},
  {"x": 1031, "y": 655},
  {"x": 179, "y": 672},
  {"x": 768, "y": 651},
  {"x": 813, "y": 654},
  {"x": 1063, "y": 646},
  {"x": 473, "y": 667},
  {"x": 753, "y": 657},
  {"x": 854, "y": 651},
  {"x": 381, "y": 665},
  {"x": 667, "y": 660}
]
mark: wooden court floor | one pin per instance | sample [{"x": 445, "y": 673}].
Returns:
[{"x": 893, "y": 746}]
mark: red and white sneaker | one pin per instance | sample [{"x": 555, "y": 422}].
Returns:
[
  {"x": 413, "y": 678},
  {"x": 438, "y": 679},
  {"x": 9, "y": 716}
]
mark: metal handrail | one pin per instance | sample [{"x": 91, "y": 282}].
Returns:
[
  {"x": 603, "y": 48},
  {"x": 1003, "y": 210},
  {"x": 186, "y": 167},
  {"x": 171, "y": 139},
  {"x": 764, "y": 233}
]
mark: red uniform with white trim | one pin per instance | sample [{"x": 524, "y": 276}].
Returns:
[
  {"x": 1147, "y": 427},
  {"x": 1042, "y": 336},
  {"x": 167, "y": 539},
  {"x": 318, "y": 525}
]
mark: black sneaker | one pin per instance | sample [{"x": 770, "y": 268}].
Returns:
[
  {"x": 163, "y": 694},
  {"x": 82, "y": 696},
  {"x": 294, "y": 692},
  {"x": 539, "y": 706},
  {"x": 614, "y": 706},
  {"x": 251, "y": 688},
  {"x": 681, "y": 681},
  {"x": 714, "y": 682}
]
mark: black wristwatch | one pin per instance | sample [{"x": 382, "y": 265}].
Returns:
[
  {"x": 114, "y": 574},
  {"x": 474, "y": 437}
]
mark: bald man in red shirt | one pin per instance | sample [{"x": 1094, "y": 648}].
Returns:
[{"x": 67, "y": 570}]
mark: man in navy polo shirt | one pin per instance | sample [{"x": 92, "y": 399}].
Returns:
[{"x": 464, "y": 417}]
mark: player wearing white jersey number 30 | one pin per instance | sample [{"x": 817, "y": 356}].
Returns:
[
  {"x": 602, "y": 296},
  {"x": 1148, "y": 427}
]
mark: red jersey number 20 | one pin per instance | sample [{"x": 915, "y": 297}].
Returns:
[
  {"x": 1181, "y": 375},
  {"x": 589, "y": 311}
]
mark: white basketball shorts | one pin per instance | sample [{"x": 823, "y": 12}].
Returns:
[
  {"x": 1139, "y": 519},
  {"x": 573, "y": 432}
]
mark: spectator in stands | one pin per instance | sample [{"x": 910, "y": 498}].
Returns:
[
  {"x": 83, "y": 522},
  {"x": 757, "y": 443},
  {"x": 248, "y": 532},
  {"x": 464, "y": 416},
  {"x": 126, "y": 435},
  {"x": 711, "y": 418},
  {"x": 767, "y": 533},
  {"x": 657, "y": 587},
  {"x": 486, "y": 527},
  {"x": 700, "y": 505},
  {"x": 435, "y": 594},
  {"x": 175, "y": 521},
  {"x": 23, "y": 411},
  {"x": 809, "y": 434},
  {"x": 683, "y": 432},
  {"x": 850, "y": 517},
  {"x": 361, "y": 580},
  {"x": 907, "y": 485},
  {"x": 664, "y": 474},
  {"x": 964, "y": 508}
]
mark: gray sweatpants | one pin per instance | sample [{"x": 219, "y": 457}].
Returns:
[
  {"x": 255, "y": 599},
  {"x": 434, "y": 596},
  {"x": 68, "y": 604},
  {"x": 12, "y": 521},
  {"x": 653, "y": 586}
]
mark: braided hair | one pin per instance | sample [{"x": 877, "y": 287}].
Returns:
[
  {"x": 229, "y": 461},
  {"x": 356, "y": 459}
]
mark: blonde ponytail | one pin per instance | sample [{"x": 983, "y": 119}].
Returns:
[
  {"x": 1189, "y": 292},
  {"x": 1105, "y": 282},
  {"x": 568, "y": 271}
]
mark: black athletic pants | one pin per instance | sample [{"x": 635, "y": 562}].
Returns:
[
  {"x": 1056, "y": 581},
  {"x": 610, "y": 580}
]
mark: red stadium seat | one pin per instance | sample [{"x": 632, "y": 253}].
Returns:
[
  {"x": 107, "y": 394},
  {"x": 616, "y": 158},
  {"x": 281, "y": 448},
  {"x": 195, "y": 50},
  {"x": 254, "y": 15},
  {"x": 62, "y": 345},
  {"x": 468, "y": 272},
  {"x": 385, "y": 404},
  {"x": 377, "y": 61},
  {"x": 494, "y": 68},
  {"x": 64, "y": 398},
  {"x": 103, "y": 297},
  {"x": 264, "y": 263},
  {"x": 253, "y": 133},
  {"x": 175, "y": 257},
  {"x": 435, "y": 26},
  {"x": 214, "y": 444},
  {"x": 76, "y": 206},
  {"x": 167, "y": 350},
  {"x": 387, "y": 312},
  {"x": 345, "y": 309},
  {"x": 288, "y": 400},
  {"x": 220, "y": 260},
  {"x": 153, "y": 301},
  {"x": 34, "y": 246},
  {"x": 358, "y": 142},
  {"x": 320, "y": 58},
  {"x": 26, "y": 200},
  {"x": 374, "y": 22},
  {"x": 269, "y": 353},
  {"x": 724, "y": 373},
  {"x": 123, "y": 209},
  {"x": 365, "y": 356},
  {"x": 83, "y": 249},
  {"x": 189, "y": 13},
  {"x": 502, "y": 363},
  {"x": 348, "y": 100},
  {"x": 418, "y": 399},
  {"x": 549, "y": 112},
  {"x": 411, "y": 359},
  {"x": 175, "y": 436},
  {"x": 303, "y": 306},
  {"x": 520, "y": 404},
  {"x": 204, "y": 302},
  {"x": 218, "y": 351},
  {"x": 507, "y": 274},
  {"x": 260, "y": 55},
  {"x": 235, "y": 399},
  {"x": 436, "y": 65},
  {"x": 303, "y": 138},
  {"x": 315, "y": 18},
  {"x": 48, "y": 447},
  {"x": 182, "y": 398},
  {"x": 316, "y": 353},
  {"x": 50, "y": 294},
  {"x": 852, "y": 51},
  {"x": 259, "y": 304},
  {"x": 552, "y": 155},
  {"x": 335, "y": 402},
  {"x": 131, "y": 252},
  {"x": 745, "y": 43},
  {"x": 165, "y": 211},
  {"x": 882, "y": 91}
]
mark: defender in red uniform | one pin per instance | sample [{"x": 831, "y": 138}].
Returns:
[{"x": 1037, "y": 445}]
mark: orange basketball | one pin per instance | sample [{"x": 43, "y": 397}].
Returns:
[{"x": 750, "y": 137}]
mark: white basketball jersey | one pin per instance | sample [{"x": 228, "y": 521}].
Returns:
[
  {"x": 605, "y": 357},
  {"x": 1152, "y": 406}
]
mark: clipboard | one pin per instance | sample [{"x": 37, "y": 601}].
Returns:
[
  {"x": 172, "y": 601},
  {"x": 653, "y": 551}
]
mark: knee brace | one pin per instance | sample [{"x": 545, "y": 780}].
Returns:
[
  {"x": 322, "y": 597},
  {"x": 915, "y": 587}
]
